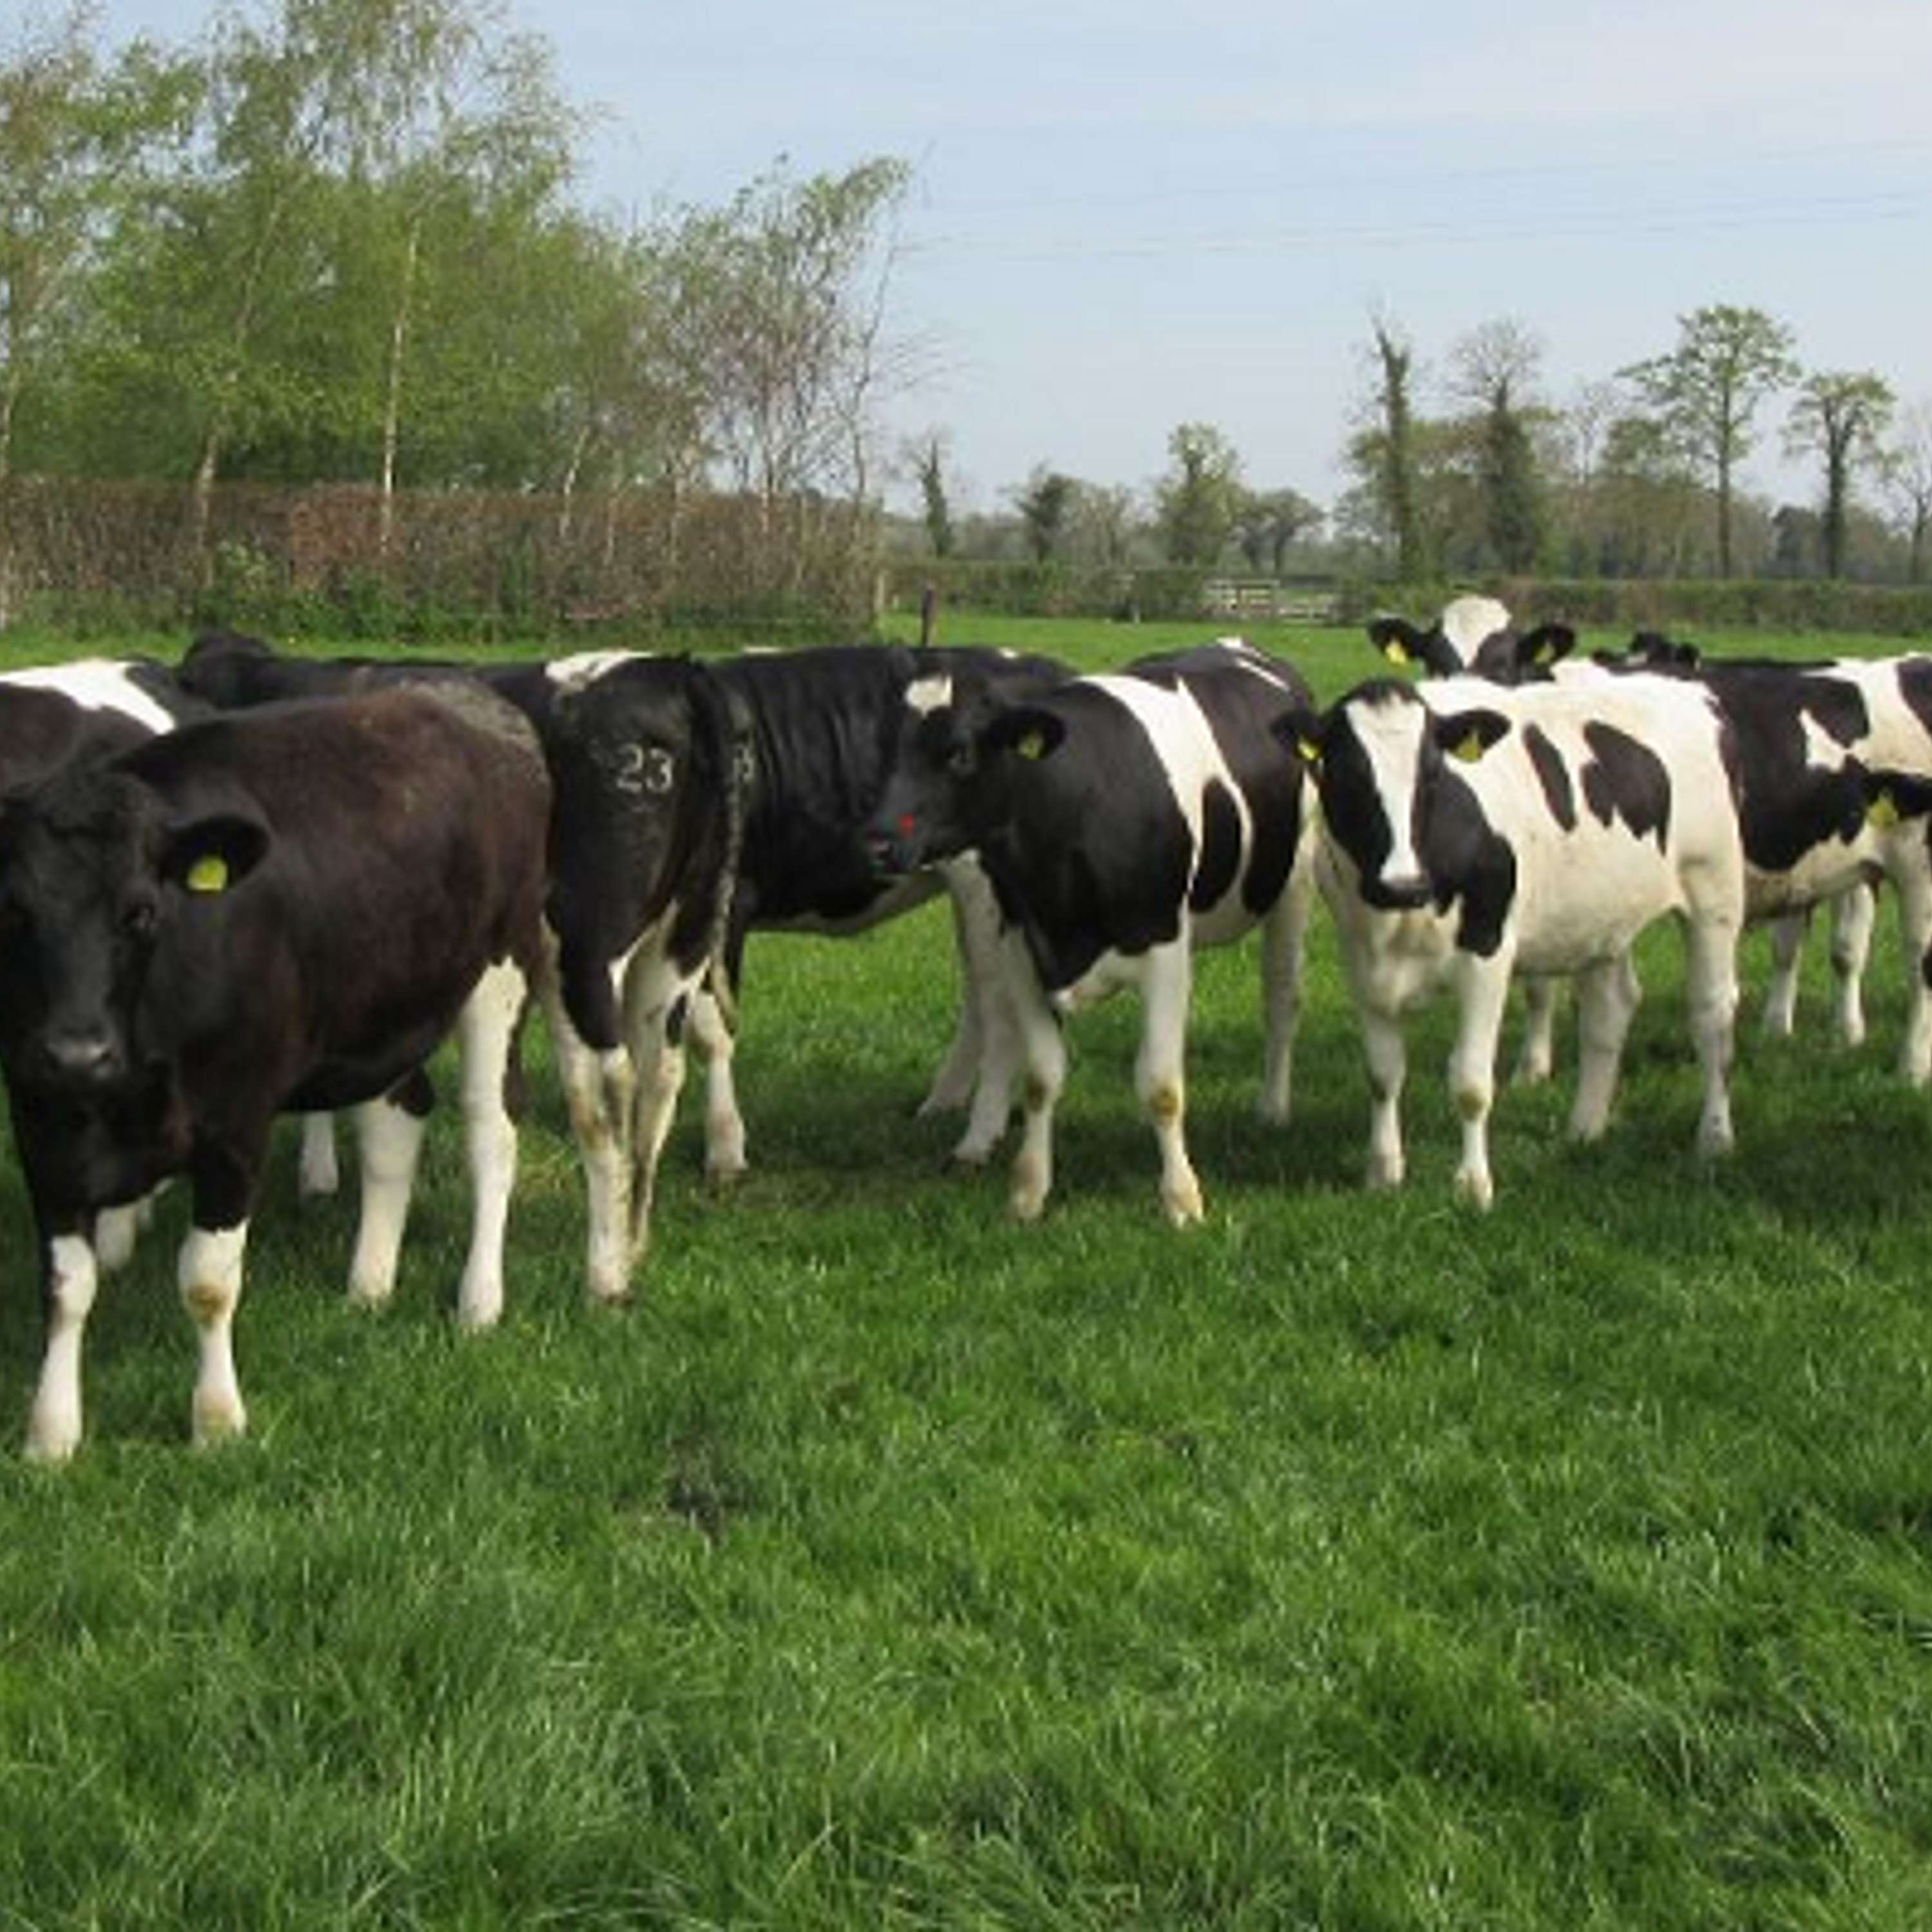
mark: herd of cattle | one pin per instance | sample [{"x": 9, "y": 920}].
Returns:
[{"x": 249, "y": 884}]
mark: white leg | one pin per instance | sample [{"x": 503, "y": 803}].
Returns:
[
  {"x": 1482, "y": 987},
  {"x": 651, "y": 989},
  {"x": 1160, "y": 1075},
  {"x": 1854, "y": 912},
  {"x": 316, "y": 1172},
  {"x": 388, "y": 1142},
  {"x": 724, "y": 1124},
  {"x": 1914, "y": 881},
  {"x": 116, "y": 1231},
  {"x": 1284, "y": 931},
  {"x": 483, "y": 1032},
  {"x": 597, "y": 1091},
  {"x": 1780, "y": 997},
  {"x": 53, "y": 1423},
  {"x": 1538, "y": 1056},
  {"x": 1386, "y": 1059},
  {"x": 1043, "y": 1057},
  {"x": 958, "y": 1076},
  {"x": 210, "y": 1274},
  {"x": 1711, "y": 991},
  {"x": 989, "y": 1002},
  {"x": 1607, "y": 1001}
]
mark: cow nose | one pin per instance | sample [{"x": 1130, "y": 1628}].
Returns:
[
  {"x": 85, "y": 1056},
  {"x": 1404, "y": 891}
]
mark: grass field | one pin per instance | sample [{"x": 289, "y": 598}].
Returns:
[{"x": 1348, "y": 1561}]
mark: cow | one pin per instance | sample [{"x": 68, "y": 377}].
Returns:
[
  {"x": 1804, "y": 731},
  {"x": 1470, "y": 831},
  {"x": 1122, "y": 820},
  {"x": 1472, "y": 633},
  {"x": 286, "y": 911}
]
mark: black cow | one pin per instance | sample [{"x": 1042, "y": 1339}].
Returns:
[
  {"x": 1122, "y": 820},
  {"x": 284, "y": 911}
]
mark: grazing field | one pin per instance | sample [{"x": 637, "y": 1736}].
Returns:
[{"x": 1347, "y": 1562}]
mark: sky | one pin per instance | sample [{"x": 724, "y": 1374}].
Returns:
[{"x": 1124, "y": 216}]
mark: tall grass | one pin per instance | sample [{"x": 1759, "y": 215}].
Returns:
[{"x": 1347, "y": 1561}]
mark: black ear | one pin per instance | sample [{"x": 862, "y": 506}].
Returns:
[
  {"x": 1547, "y": 644},
  {"x": 1891, "y": 795},
  {"x": 214, "y": 854},
  {"x": 1025, "y": 730},
  {"x": 1298, "y": 732},
  {"x": 1467, "y": 735},
  {"x": 1396, "y": 638}
]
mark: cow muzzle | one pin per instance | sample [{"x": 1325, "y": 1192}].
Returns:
[
  {"x": 1398, "y": 892},
  {"x": 82, "y": 1056}
]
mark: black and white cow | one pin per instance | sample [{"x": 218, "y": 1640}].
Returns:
[
  {"x": 1471, "y": 831},
  {"x": 1472, "y": 633},
  {"x": 283, "y": 911},
  {"x": 1122, "y": 820}
]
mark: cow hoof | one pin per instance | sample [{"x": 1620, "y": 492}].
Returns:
[
  {"x": 721, "y": 1178},
  {"x": 218, "y": 1421},
  {"x": 1183, "y": 1210},
  {"x": 50, "y": 1447},
  {"x": 1381, "y": 1175},
  {"x": 1475, "y": 1190},
  {"x": 369, "y": 1294},
  {"x": 970, "y": 1159},
  {"x": 1027, "y": 1208}
]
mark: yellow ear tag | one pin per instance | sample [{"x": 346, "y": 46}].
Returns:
[
  {"x": 209, "y": 874},
  {"x": 1882, "y": 811},
  {"x": 1396, "y": 651},
  {"x": 1309, "y": 750},
  {"x": 1467, "y": 749},
  {"x": 1032, "y": 746},
  {"x": 1545, "y": 652}
]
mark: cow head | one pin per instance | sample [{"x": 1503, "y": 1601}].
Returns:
[
  {"x": 960, "y": 743},
  {"x": 1384, "y": 764},
  {"x": 95, "y": 875}
]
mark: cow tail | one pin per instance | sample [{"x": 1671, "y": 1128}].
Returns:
[{"x": 730, "y": 733}]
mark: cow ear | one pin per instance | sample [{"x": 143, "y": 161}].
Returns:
[
  {"x": 1547, "y": 644},
  {"x": 1025, "y": 731},
  {"x": 1467, "y": 735},
  {"x": 1298, "y": 732},
  {"x": 212, "y": 855},
  {"x": 1892, "y": 796},
  {"x": 1395, "y": 637}
]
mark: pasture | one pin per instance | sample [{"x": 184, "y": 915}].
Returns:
[{"x": 1347, "y": 1561}]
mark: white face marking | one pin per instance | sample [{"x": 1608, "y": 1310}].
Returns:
[
  {"x": 583, "y": 668},
  {"x": 97, "y": 684},
  {"x": 925, "y": 695},
  {"x": 1822, "y": 752},
  {"x": 1391, "y": 736},
  {"x": 1466, "y": 621}
]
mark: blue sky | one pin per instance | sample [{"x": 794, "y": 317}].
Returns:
[{"x": 1125, "y": 216}]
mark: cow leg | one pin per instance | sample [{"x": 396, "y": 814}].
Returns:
[
  {"x": 316, "y": 1172},
  {"x": 1482, "y": 988},
  {"x": 1607, "y": 1001},
  {"x": 1160, "y": 1075},
  {"x": 995, "y": 1028},
  {"x": 210, "y": 1277},
  {"x": 1780, "y": 997},
  {"x": 1854, "y": 912},
  {"x": 1536, "y": 1058},
  {"x": 1284, "y": 930},
  {"x": 485, "y": 1032},
  {"x": 116, "y": 1231},
  {"x": 69, "y": 1279},
  {"x": 723, "y": 1125},
  {"x": 389, "y": 1137},
  {"x": 1387, "y": 1060},
  {"x": 1042, "y": 1049},
  {"x": 958, "y": 1077},
  {"x": 1914, "y": 881},
  {"x": 1711, "y": 991},
  {"x": 597, "y": 1089},
  {"x": 657, "y": 1001}
]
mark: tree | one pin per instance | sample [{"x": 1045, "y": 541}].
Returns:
[
  {"x": 1198, "y": 497},
  {"x": 1043, "y": 506},
  {"x": 1908, "y": 483},
  {"x": 1706, "y": 390},
  {"x": 1267, "y": 522},
  {"x": 928, "y": 460},
  {"x": 1494, "y": 369},
  {"x": 1395, "y": 456},
  {"x": 71, "y": 131},
  {"x": 1840, "y": 417}
]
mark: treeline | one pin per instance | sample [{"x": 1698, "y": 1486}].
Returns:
[{"x": 335, "y": 243}]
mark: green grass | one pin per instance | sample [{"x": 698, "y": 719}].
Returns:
[{"x": 1345, "y": 1562}]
